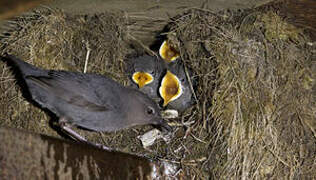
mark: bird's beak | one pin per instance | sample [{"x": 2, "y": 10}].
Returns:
[
  {"x": 164, "y": 127},
  {"x": 142, "y": 78},
  {"x": 170, "y": 88},
  {"x": 167, "y": 52}
]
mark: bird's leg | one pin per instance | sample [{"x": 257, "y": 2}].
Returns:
[
  {"x": 66, "y": 129},
  {"x": 72, "y": 133}
]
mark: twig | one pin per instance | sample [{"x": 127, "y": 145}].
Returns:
[
  {"x": 194, "y": 137},
  {"x": 87, "y": 57},
  {"x": 146, "y": 48},
  {"x": 190, "y": 83}
]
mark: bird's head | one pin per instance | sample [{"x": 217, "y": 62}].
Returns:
[
  {"x": 170, "y": 88},
  {"x": 143, "y": 111}
]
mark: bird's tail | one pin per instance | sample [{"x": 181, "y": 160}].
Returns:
[{"x": 24, "y": 67}]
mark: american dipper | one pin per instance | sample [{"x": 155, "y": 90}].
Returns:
[
  {"x": 176, "y": 92},
  {"x": 167, "y": 52},
  {"x": 175, "y": 88},
  {"x": 146, "y": 71},
  {"x": 170, "y": 88},
  {"x": 90, "y": 101}
]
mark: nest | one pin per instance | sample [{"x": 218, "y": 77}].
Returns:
[
  {"x": 260, "y": 108},
  {"x": 255, "y": 110}
]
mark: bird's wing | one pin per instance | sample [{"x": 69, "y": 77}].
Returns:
[{"x": 69, "y": 90}]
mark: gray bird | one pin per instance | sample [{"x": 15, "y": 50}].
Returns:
[
  {"x": 168, "y": 52},
  {"x": 146, "y": 72},
  {"x": 174, "y": 88},
  {"x": 90, "y": 101},
  {"x": 175, "y": 78}
]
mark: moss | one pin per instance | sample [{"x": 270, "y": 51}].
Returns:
[{"x": 277, "y": 28}]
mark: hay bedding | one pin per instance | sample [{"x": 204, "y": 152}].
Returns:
[{"x": 255, "y": 107}]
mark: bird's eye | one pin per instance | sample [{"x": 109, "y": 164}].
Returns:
[{"x": 150, "y": 110}]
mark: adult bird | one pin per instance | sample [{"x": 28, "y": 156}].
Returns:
[{"x": 90, "y": 101}]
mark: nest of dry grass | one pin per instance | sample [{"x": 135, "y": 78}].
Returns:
[
  {"x": 258, "y": 104},
  {"x": 255, "y": 100}
]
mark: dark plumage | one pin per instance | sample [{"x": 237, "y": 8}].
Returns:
[
  {"x": 151, "y": 65},
  {"x": 158, "y": 69},
  {"x": 90, "y": 101},
  {"x": 185, "y": 100},
  {"x": 175, "y": 66}
]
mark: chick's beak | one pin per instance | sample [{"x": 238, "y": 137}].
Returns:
[
  {"x": 170, "y": 88},
  {"x": 167, "y": 52},
  {"x": 142, "y": 78}
]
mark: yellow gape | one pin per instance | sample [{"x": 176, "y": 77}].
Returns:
[
  {"x": 170, "y": 88},
  {"x": 167, "y": 52},
  {"x": 142, "y": 78}
]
